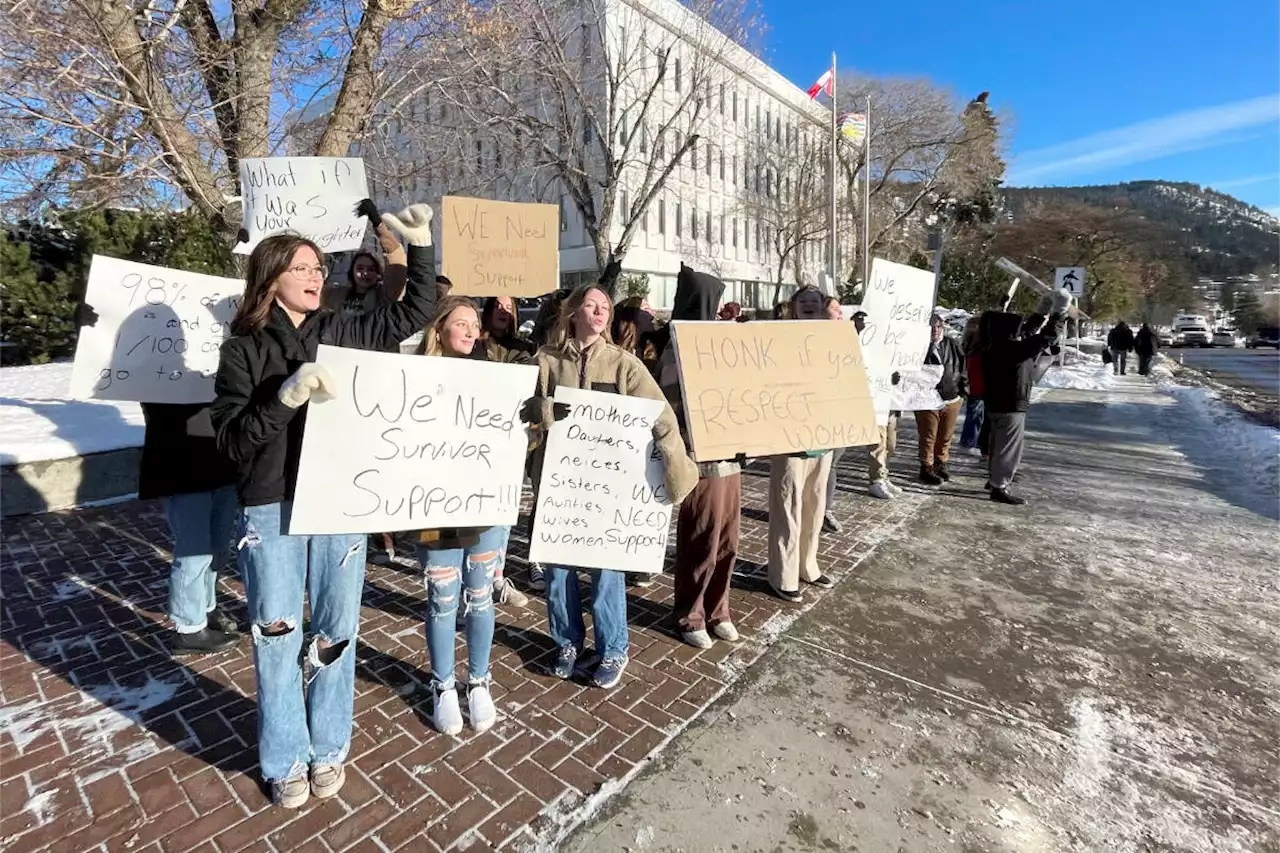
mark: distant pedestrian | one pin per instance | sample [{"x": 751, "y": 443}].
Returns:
[
  {"x": 935, "y": 429},
  {"x": 974, "y": 412},
  {"x": 1010, "y": 349},
  {"x": 1120, "y": 342},
  {"x": 1147, "y": 343}
]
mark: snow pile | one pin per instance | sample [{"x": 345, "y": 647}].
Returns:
[
  {"x": 1083, "y": 376},
  {"x": 1255, "y": 448},
  {"x": 39, "y": 422}
]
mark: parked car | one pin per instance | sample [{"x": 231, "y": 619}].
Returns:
[
  {"x": 1196, "y": 336},
  {"x": 1164, "y": 337},
  {"x": 1267, "y": 336},
  {"x": 1226, "y": 338}
]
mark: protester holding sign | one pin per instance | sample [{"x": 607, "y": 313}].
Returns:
[
  {"x": 459, "y": 562},
  {"x": 708, "y": 525},
  {"x": 936, "y": 428},
  {"x": 265, "y": 379},
  {"x": 580, "y": 355},
  {"x": 798, "y": 495}
]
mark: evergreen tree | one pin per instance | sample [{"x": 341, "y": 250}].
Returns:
[{"x": 36, "y": 315}]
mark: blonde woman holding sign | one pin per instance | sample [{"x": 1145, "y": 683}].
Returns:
[
  {"x": 798, "y": 495},
  {"x": 266, "y": 376},
  {"x": 580, "y": 355}
]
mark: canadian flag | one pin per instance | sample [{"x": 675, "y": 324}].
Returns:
[{"x": 823, "y": 84}]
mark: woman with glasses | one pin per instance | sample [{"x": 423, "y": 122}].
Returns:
[{"x": 266, "y": 376}]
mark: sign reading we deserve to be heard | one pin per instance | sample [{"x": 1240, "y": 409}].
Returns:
[
  {"x": 314, "y": 196},
  {"x": 157, "y": 336},
  {"x": 765, "y": 389},
  {"x": 898, "y": 302},
  {"x": 412, "y": 442},
  {"x": 602, "y": 502},
  {"x": 499, "y": 248}
]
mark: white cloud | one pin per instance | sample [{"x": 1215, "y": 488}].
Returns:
[
  {"x": 1247, "y": 181},
  {"x": 1189, "y": 130}
]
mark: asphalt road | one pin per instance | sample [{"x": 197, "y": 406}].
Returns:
[{"x": 1257, "y": 367}]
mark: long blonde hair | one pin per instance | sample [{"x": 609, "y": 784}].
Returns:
[
  {"x": 564, "y": 326},
  {"x": 431, "y": 334}
]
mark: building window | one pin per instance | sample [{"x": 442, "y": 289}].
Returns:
[
  {"x": 735, "y": 170},
  {"x": 722, "y": 229},
  {"x": 564, "y": 216},
  {"x": 626, "y": 208},
  {"x": 735, "y": 106},
  {"x": 708, "y": 159},
  {"x": 746, "y": 173},
  {"x": 757, "y": 236},
  {"x": 659, "y": 147},
  {"x": 721, "y": 99},
  {"x": 644, "y": 139},
  {"x": 768, "y": 124},
  {"x": 677, "y": 74},
  {"x": 735, "y": 232},
  {"x": 622, "y": 129},
  {"x": 679, "y": 217},
  {"x": 662, "y": 216},
  {"x": 586, "y": 133},
  {"x": 757, "y": 116},
  {"x": 622, "y": 39},
  {"x": 757, "y": 179},
  {"x": 693, "y": 224},
  {"x": 722, "y": 164},
  {"x": 710, "y": 236}
]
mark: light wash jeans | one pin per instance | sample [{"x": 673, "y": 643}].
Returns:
[
  {"x": 450, "y": 571},
  {"x": 201, "y": 524},
  {"x": 608, "y": 610},
  {"x": 974, "y": 414},
  {"x": 296, "y": 730}
]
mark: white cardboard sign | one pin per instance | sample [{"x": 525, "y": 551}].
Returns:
[
  {"x": 157, "y": 336},
  {"x": 412, "y": 442},
  {"x": 602, "y": 502},
  {"x": 314, "y": 196},
  {"x": 898, "y": 302},
  {"x": 918, "y": 389}
]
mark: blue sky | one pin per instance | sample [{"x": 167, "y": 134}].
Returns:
[{"x": 1098, "y": 91}]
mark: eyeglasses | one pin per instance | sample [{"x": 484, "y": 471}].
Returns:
[{"x": 305, "y": 271}]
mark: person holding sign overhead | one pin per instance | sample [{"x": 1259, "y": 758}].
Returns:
[
  {"x": 708, "y": 525},
  {"x": 580, "y": 355},
  {"x": 798, "y": 495},
  {"x": 265, "y": 377}
]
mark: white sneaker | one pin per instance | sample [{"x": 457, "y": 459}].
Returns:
[
  {"x": 973, "y": 451},
  {"x": 447, "y": 715},
  {"x": 725, "y": 631},
  {"x": 880, "y": 489},
  {"x": 894, "y": 488},
  {"x": 480, "y": 707},
  {"x": 504, "y": 592},
  {"x": 697, "y": 639}
]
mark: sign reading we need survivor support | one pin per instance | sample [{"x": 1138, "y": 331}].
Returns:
[
  {"x": 602, "y": 502},
  {"x": 314, "y": 196},
  {"x": 499, "y": 248},
  {"x": 898, "y": 302},
  {"x": 157, "y": 336},
  {"x": 412, "y": 442},
  {"x": 764, "y": 389}
]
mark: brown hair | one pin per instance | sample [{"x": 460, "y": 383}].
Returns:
[
  {"x": 431, "y": 334},
  {"x": 564, "y": 326},
  {"x": 351, "y": 270},
  {"x": 270, "y": 260},
  {"x": 491, "y": 308}
]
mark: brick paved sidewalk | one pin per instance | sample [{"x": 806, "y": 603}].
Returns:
[{"x": 106, "y": 743}]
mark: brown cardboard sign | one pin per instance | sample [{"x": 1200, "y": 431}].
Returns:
[{"x": 499, "y": 248}]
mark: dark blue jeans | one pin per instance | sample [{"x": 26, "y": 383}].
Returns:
[
  {"x": 973, "y": 417},
  {"x": 608, "y": 610}
]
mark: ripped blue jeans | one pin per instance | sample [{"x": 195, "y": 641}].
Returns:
[
  {"x": 296, "y": 730},
  {"x": 470, "y": 572}
]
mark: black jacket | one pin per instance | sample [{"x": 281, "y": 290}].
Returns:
[
  {"x": 262, "y": 435},
  {"x": 1146, "y": 342},
  {"x": 179, "y": 454},
  {"x": 1121, "y": 338},
  {"x": 1009, "y": 358},
  {"x": 955, "y": 376}
]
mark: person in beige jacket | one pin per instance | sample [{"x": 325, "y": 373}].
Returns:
[{"x": 580, "y": 355}]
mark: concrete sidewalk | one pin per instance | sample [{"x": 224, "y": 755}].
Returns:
[{"x": 1096, "y": 671}]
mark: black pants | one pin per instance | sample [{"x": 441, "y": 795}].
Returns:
[
  {"x": 1120, "y": 356},
  {"x": 1144, "y": 363}
]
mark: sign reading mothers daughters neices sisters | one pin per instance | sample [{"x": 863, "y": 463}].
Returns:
[
  {"x": 411, "y": 442},
  {"x": 313, "y": 196},
  {"x": 157, "y": 336},
  {"x": 602, "y": 502},
  {"x": 898, "y": 302}
]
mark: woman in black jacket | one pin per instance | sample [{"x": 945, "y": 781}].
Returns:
[{"x": 265, "y": 378}]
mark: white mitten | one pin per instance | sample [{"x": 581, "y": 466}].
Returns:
[
  {"x": 310, "y": 380},
  {"x": 413, "y": 223},
  {"x": 1061, "y": 301}
]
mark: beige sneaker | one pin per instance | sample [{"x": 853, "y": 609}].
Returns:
[
  {"x": 327, "y": 779},
  {"x": 725, "y": 631},
  {"x": 291, "y": 793}
]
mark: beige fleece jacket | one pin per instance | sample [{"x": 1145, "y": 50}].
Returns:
[{"x": 605, "y": 367}]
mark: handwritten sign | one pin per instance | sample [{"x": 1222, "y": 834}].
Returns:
[
  {"x": 314, "y": 196},
  {"x": 412, "y": 442},
  {"x": 499, "y": 248},
  {"x": 770, "y": 388},
  {"x": 898, "y": 302},
  {"x": 917, "y": 390},
  {"x": 157, "y": 336},
  {"x": 602, "y": 502}
]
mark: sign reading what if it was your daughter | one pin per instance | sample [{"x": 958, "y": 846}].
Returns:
[
  {"x": 602, "y": 502},
  {"x": 313, "y": 196}
]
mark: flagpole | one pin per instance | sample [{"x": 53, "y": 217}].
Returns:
[
  {"x": 866, "y": 203},
  {"x": 832, "y": 259}
]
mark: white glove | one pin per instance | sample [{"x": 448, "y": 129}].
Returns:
[
  {"x": 310, "y": 380},
  {"x": 413, "y": 223},
  {"x": 1061, "y": 301}
]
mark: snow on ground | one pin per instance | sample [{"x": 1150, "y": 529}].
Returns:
[
  {"x": 1082, "y": 376},
  {"x": 38, "y": 422}
]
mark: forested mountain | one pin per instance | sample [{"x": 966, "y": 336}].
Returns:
[{"x": 1219, "y": 235}]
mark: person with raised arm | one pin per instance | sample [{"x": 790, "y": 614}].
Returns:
[{"x": 266, "y": 376}]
